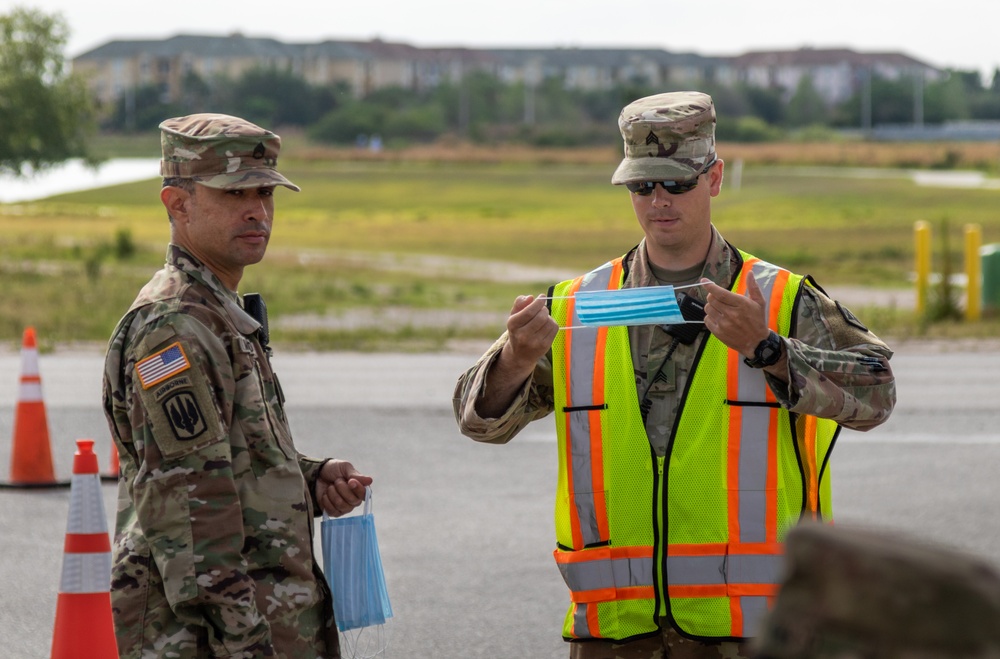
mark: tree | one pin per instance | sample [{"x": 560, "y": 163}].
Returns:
[
  {"x": 806, "y": 107},
  {"x": 274, "y": 97},
  {"x": 141, "y": 109},
  {"x": 948, "y": 100},
  {"x": 46, "y": 114},
  {"x": 891, "y": 102},
  {"x": 764, "y": 102}
]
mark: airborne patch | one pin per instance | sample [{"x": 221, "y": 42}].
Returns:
[
  {"x": 184, "y": 416},
  {"x": 162, "y": 365}
]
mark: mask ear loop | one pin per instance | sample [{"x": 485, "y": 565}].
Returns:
[
  {"x": 612, "y": 290},
  {"x": 615, "y": 290}
]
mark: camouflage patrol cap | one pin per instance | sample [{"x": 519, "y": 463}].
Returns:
[
  {"x": 852, "y": 592},
  {"x": 220, "y": 151},
  {"x": 668, "y": 137}
]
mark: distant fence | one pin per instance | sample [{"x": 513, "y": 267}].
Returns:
[{"x": 953, "y": 131}]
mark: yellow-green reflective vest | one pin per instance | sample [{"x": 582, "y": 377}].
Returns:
[{"x": 695, "y": 536}]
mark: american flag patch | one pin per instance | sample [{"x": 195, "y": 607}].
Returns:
[{"x": 162, "y": 365}]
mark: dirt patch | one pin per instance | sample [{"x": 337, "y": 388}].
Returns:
[{"x": 437, "y": 265}]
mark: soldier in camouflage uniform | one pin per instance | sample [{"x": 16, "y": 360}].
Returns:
[
  {"x": 828, "y": 365},
  {"x": 213, "y": 552},
  {"x": 855, "y": 593}
]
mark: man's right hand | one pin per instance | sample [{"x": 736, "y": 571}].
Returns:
[{"x": 530, "y": 332}]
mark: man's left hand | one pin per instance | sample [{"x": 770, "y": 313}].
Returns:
[
  {"x": 739, "y": 321},
  {"x": 340, "y": 487}
]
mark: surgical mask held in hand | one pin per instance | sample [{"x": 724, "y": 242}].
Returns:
[{"x": 650, "y": 305}]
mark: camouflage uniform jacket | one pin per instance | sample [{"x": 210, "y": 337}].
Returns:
[
  {"x": 213, "y": 551},
  {"x": 837, "y": 369}
]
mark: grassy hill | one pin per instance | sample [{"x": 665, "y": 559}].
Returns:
[{"x": 409, "y": 250}]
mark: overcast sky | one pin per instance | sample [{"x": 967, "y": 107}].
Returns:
[{"x": 961, "y": 34}]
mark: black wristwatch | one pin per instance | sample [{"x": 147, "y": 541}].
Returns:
[{"x": 768, "y": 352}]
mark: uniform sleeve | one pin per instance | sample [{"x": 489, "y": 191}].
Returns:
[
  {"x": 534, "y": 401},
  {"x": 186, "y": 496},
  {"x": 837, "y": 368},
  {"x": 309, "y": 466}
]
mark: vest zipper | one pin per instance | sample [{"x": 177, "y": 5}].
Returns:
[{"x": 659, "y": 541}]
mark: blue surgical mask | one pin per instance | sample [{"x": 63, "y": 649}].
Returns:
[{"x": 650, "y": 305}]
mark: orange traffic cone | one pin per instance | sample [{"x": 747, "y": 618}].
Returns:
[
  {"x": 31, "y": 454},
  {"x": 112, "y": 473},
  {"x": 84, "y": 629}
]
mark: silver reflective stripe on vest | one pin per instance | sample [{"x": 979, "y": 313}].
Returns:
[
  {"x": 754, "y": 609},
  {"x": 754, "y": 568},
  {"x": 631, "y": 572},
  {"x": 753, "y": 469},
  {"x": 603, "y": 572},
  {"x": 581, "y": 394},
  {"x": 718, "y": 570},
  {"x": 754, "y": 426},
  {"x": 580, "y": 627},
  {"x": 696, "y": 570}
]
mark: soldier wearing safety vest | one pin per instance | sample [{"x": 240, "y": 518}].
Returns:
[{"x": 686, "y": 449}]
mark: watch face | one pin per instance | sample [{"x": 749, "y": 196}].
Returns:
[
  {"x": 769, "y": 350},
  {"x": 767, "y": 353}
]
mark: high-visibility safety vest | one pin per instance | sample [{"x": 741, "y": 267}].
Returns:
[{"x": 694, "y": 536}]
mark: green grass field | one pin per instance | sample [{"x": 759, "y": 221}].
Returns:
[{"x": 365, "y": 238}]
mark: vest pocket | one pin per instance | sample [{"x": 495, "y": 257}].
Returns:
[
  {"x": 605, "y": 573},
  {"x": 617, "y": 579},
  {"x": 588, "y": 573}
]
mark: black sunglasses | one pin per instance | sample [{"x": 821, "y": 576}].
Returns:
[{"x": 645, "y": 188}]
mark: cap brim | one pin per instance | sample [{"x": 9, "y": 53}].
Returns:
[
  {"x": 248, "y": 178},
  {"x": 651, "y": 169}
]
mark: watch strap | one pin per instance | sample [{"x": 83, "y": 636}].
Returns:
[{"x": 767, "y": 352}]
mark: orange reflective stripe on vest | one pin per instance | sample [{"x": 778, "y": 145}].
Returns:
[
  {"x": 584, "y": 436},
  {"x": 600, "y": 574},
  {"x": 747, "y": 568}
]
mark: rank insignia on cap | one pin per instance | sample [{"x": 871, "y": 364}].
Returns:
[
  {"x": 652, "y": 139},
  {"x": 162, "y": 365}
]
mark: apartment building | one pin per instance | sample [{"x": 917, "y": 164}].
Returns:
[
  {"x": 836, "y": 73},
  {"x": 365, "y": 66}
]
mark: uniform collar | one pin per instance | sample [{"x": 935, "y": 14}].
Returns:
[
  {"x": 718, "y": 266},
  {"x": 184, "y": 261}
]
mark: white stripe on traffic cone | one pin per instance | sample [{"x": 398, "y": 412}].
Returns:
[{"x": 84, "y": 627}]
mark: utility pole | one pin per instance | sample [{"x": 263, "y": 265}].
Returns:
[
  {"x": 918, "y": 98},
  {"x": 866, "y": 101},
  {"x": 129, "y": 109},
  {"x": 464, "y": 109},
  {"x": 532, "y": 75}
]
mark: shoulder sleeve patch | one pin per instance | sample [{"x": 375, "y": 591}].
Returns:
[
  {"x": 162, "y": 365},
  {"x": 850, "y": 318},
  {"x": 175, "y": 392},
  {"x": 184, "y": 416}
]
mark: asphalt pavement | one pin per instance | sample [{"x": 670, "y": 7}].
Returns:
[{"x": 465, "y": 530}]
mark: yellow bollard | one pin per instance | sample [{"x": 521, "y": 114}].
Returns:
[
  {"x": 973, "y": 273},
  {"x": 922, "y": 234}
]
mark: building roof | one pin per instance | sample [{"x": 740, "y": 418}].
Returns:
[
  {"x": 811, "y": 57},
  {"x": 234, "y": 45},
  {"x": 608, "y": 57},
  {"x": 240, "y": 46}
]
